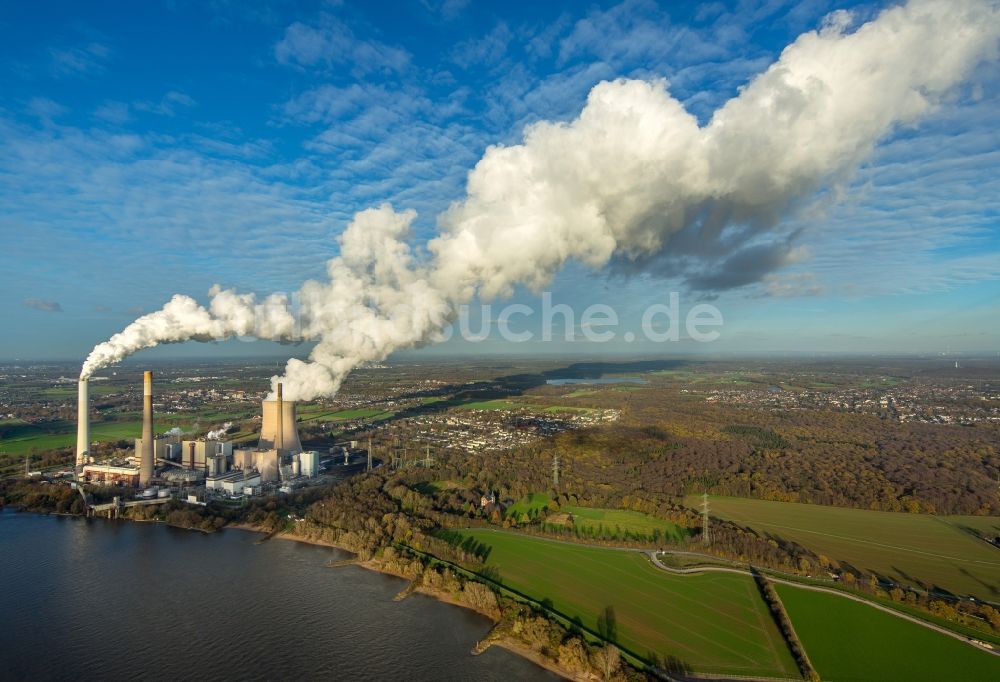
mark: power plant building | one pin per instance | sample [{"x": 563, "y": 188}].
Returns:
[
  {"x": 234, "y": 482},
  {"x": 164, "y": 447},
  {"x": 277, "y": 457},
  {"x": 111, "y": 473},
  {"x": 308, "y": 464},
  {"x": 278, "y": 429},
  {"x": 195, "y": 454}
]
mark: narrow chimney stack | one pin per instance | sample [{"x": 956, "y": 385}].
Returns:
[
  {"x": 146, "y": 456},
  {"x": 279, "y": 442},
  {"x": 82, "y": 424}
]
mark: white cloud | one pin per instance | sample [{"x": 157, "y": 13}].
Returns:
[
  {"x": 115, "y": 113},
  {"x": 168, "y": 105},
  {"x": 78, "y": 61},
  {"x": 45, "y": 109},
  {"x": 792, "y": 285},
  {"x": 483, "y": 52},
  {"x": 447, "y": 9},
  {"x": 333, "y": 43}
]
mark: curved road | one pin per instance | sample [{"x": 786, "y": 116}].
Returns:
[
  {"x": 651, "y": 554},
  {"x": 816, "y": 588}
]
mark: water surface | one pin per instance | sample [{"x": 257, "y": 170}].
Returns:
[
  {"x": 600, "y": 380},
  {"x": 123, "y": 600}
]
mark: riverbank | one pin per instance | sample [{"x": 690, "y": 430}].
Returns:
[
  {"x": 58, "y": 570},
  {"x": 417, "y": 585}
]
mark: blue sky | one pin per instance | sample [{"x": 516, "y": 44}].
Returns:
[{"x": 159, "y": 148}]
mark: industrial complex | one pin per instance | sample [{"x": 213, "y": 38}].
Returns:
[{"x": 165, "y": 464}]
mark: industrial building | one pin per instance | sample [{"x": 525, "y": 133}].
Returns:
[
  {"x": 308, "y": 464},
  {"x": 124, "y": 474},
  {"x": 165, "y": 447},
  {"x": 196, "y": 454},
  {"x": 278, "y": 430},
  {"x": 278, "y": 456},
  {"x": 234, "y": 483}
]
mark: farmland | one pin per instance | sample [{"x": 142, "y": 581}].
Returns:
[
  {"x": 847, "y": 641},
  {"x": 29, "y": 437},
  {"x": 592, "y": 521},
  {"x": 933, "y": 552},
  {"x": 710, "y": 623},
  {"x": 529, "y": 504}
]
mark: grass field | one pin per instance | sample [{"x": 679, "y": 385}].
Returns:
[
  {"x": 848, "y": 641},
  {"x": 714, "y": 623},
  {"x": 524, "y": 506},
  {"x": 33, "y": 437},
  {"x": 491, "y": 405},
  {"x": 620, "y": 520},
  {"x": 931, "y": 551}
]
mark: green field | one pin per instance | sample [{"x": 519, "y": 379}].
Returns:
[
  {"x": 32, "y": 437},
  {"x": 847, "y": 641},
  {"x": 713, "y": 622},
  {"x": 622, "y": 522},
  {"x": 930, "y": 551},
  {"x": 534, "y": 501},
  {"x": 491, "y": 405}
]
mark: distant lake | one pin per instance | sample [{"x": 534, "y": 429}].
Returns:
[
  {"x": 119, "y": 600},
  {"x": 602, "y": 380}
]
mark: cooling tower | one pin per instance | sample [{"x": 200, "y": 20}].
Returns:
[
  {"x": 278, "y": 430},
  {"x": 146, "y": 453},
  {"x": 82, "y": 425}
]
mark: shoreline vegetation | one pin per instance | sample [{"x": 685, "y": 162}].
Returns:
[
  {"x": 414, "y": 525},
  {"x": 444, "y": 587}
]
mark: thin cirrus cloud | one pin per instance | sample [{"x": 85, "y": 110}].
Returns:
[
  {"x": 79, "y": 60},
  {"x": 333, "y": 43}
]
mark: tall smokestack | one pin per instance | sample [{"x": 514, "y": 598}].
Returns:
[
  {"x": 279, "y": 442},
  {"x": 82, "y": 425},
  {"x": 146, "y": 456}
]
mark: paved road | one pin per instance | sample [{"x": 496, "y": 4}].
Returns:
[
  {"x": 768, "y": 573},
  {"x": 829, "y": 590}
]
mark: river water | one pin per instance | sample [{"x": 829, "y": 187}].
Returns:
[{"x": 122, "y": 600}]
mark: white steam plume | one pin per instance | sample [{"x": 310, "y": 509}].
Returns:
[
  {"x": 634, "y": 181},
  {"x": 217, "y": 434}
]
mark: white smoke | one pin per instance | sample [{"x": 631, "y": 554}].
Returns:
[
  {"x": 634, "y": 181},
  {"x": 176, "y": 431},
  {"x": 217, "y": 434},
  {"x": 184, "y": 319}
]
